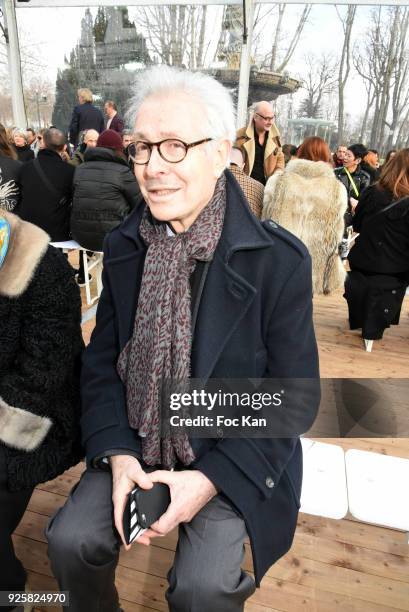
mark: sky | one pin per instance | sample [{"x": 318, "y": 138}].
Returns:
[{"x": 54, "y": 31}]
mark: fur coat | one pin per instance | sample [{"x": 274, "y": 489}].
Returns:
[
  {"x": 310, "y": 202},
  {"x": 40, "y": 350}
]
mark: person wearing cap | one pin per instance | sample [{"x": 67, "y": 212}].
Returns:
[{"x": 105, "y": 191}]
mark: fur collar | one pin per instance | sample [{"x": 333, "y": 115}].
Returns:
[
  {"x": 28, "y": 244},
  {"x": 22, "y": 429},
  {"x": 309, "y": 169}
]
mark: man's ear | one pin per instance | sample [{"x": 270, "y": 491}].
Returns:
[{"x": 222, "y": 157}]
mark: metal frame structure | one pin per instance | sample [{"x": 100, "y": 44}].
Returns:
[{"x": 9, "y": 7}]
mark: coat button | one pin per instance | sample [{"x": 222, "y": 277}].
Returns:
[
  {"x": 386, "y": 310},
  {"x": 393, "y": 291},
  {"x": 272, "y": 224},
  {"x": 269, "y": 482},
  {"x": 380, "y": 243},
  {"x": 219, "y": 432}
]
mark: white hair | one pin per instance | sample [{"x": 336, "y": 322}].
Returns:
[{"x": 219, "y": 119}]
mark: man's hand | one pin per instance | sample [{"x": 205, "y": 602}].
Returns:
[
  {"x": 126, "y": 472},
  {"x": 190, "y": 490}
]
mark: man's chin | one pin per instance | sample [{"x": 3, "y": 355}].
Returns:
[{"x": 162, "y": 211}]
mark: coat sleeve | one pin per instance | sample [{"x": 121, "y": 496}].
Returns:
[
  {"x": 74, "y": 126},
  {"x": 120, "y": 125},
  {"x": 104, "y": 421},
  {"x": 360, "y": 210},
  {"x": 48, "y": 356},
  {"x": 280, "y": 164},
  {"x": 101, "y": 123},
  {"x": 244, "y": 468}
]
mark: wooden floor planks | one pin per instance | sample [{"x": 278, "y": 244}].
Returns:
[{"x": 333, "y": 566}]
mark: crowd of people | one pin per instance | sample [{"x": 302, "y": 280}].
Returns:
[{"x": 214, "y": 243}]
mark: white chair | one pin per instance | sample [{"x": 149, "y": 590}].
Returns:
[
  {"x": 324, "y": 488},
  {"x": 94, "y": 262},
  {"x": 378, "y": 488},
  {"x": 67, "y": 245},
  {"x": 90, "y": 263}
]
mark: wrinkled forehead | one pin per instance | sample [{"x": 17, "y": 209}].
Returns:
[{"x": 175, "y": 115}]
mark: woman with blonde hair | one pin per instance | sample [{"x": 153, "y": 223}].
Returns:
[
  {"x": 379, "y": 260},
  {"x": 307, "y": 200}
]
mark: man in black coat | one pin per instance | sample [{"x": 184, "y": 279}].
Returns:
[
  {"x": 85, "y": 116},
  {"x": 246, "y": 313},
  {"x": 46, "y": 188}
]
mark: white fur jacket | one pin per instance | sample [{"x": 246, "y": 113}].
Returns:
[{"x": 307, "y": 200}]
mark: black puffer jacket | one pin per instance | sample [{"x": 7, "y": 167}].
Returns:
[
  {"x": 105, "y": 192},
  {"x": 40, "y": 352},
  {"x": 10, "y": 170}
]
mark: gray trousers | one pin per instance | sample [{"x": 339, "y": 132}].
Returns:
[{"x": 83, "y": 547}]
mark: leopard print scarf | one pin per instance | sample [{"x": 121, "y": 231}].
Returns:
[{"x": 159, "y": 349}]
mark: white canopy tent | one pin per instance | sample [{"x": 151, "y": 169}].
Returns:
[{"x": 10, "y": 6}]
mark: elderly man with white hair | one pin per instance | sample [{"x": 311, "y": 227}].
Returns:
[
  {"x": 194, "y": 286},
  {"x": 260, "y": 142}
]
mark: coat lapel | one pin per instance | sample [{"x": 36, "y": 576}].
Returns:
[
  {"x": 225, "y": 300},
  {"x": 125, "y": 276},
  {"x": 226, "y": 295},
  {"x": 124, "y": 270}
]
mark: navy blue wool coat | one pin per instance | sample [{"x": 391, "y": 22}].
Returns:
[{"x": 254, "y": 320}]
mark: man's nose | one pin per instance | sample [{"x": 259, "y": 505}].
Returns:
[{"x": 156, "y": 163}]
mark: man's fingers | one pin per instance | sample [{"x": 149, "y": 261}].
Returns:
[
  {"x": 119, "y": 502},
  {"x": 164, "y": 476},
  {"x": 141, "y": 478}
]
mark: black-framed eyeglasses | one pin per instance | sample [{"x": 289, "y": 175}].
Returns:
[
  {"x": 171, "y": 150},
  {"x": 266, "y": 118}
]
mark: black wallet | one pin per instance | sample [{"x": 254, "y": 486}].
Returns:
[{"x": 144, "y": 507}]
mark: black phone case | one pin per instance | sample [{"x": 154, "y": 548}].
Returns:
[{"x": 150, "y": 505}]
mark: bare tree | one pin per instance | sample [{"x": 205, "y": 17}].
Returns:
[
  {"x": 295, "y": 38},
  {"x": 347, "y": 22},
  {"x": 400, "y": 93},
  {"x": 319, "y": 82},
  {"x": 275, "y": 61},
  {"x": 171, "y": 32},
  {"x": 382, "y": 62}
]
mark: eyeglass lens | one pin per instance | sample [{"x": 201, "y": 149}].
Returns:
[{"x": 170, "y": 150}]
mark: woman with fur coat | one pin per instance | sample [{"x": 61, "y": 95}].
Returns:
[
  {"x": 40, "y": 350},
  {"x": 310, "y": 202}
]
